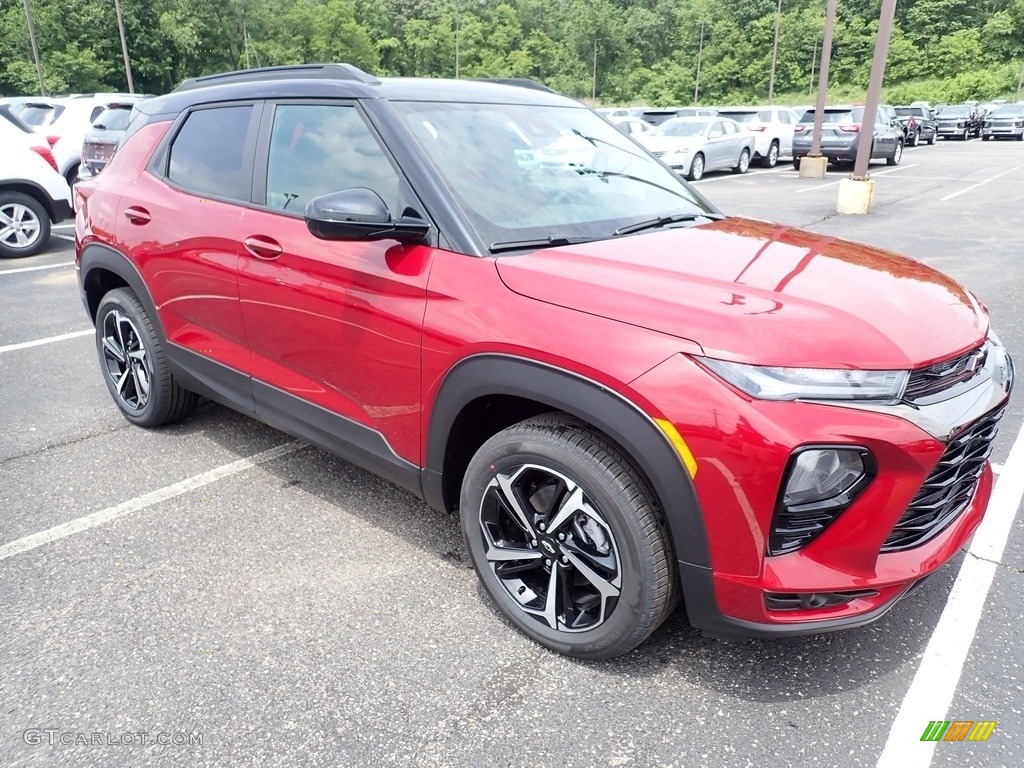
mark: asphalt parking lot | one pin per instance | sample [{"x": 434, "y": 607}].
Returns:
[{"x": 216, "y": 582}]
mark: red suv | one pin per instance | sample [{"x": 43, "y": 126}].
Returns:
[{"x": 628, "y": 397}]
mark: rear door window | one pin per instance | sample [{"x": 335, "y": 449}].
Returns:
[{"x": 208, "y": 156}]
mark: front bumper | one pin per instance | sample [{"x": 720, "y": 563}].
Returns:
[
  {"x": 741, "y": 450},
  {"x": 1003, "y": 132}
]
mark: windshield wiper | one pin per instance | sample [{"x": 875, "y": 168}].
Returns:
[
  {"x": 663, "y": 221},
  {"x": 545, "y": 242}
]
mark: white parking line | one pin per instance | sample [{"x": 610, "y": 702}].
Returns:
[
  {"x": 19, "y": 270},
  {"x": 975, "y": 186},
  {"x": 879, "y": 173},
  {"x": 63, "y": 226},
  {"x": 47, "y": 340},
  {"x": 70, "y": 238},
  {"x": 738, "y": 176},
  {"x": 937, "y": 677},
  {"x": 80, "y": 524}
]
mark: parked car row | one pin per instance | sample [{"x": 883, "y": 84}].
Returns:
[{"x": 65, "y": 121}]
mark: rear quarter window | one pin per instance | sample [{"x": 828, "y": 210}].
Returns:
[{"x": 207, "y": 157}]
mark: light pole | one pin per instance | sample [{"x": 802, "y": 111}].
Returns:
[
  {"x": 700, "y": 52},
  {"x": 860, "y": 168},
  {"x": 814, "y": 61},
  {"x": 775, "y": 52},
  {"x": 593, "y": 82},
  {"x": 35, "y": 49},
  {"x": 826, "y": 61}
]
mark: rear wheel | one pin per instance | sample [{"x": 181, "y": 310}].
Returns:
[
  {"x": 796, "y": 163},
  {"x": 696, "y": 168},
  {"x": 915, "y": 139},
  {"x": 133, "y": 363},
  {"x": 24, "y": 225},
  {"x": 897, "y": 155},
  {"x": 567, "y": 538},
  {"x": 743, "y": 164},
  {"x": 772, "y": 158},
  {"x": 933, "y": 139}
]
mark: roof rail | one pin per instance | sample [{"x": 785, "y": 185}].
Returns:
[
  {"x": 520, "y": 82},
  {"x": 288, "y": 72}
]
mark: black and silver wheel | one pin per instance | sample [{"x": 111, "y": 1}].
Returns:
[
  {"x": 133, "y": 364},
  {"x": 743, "y": 164},
  {"x": 934, "y": 137},
  {"x": 24, "y": 225},
  {"x": 567, "y": 539},
  {"x": 915, "y": 139},
  {"x": 772, "y": 158},
  {"x": 897, "y": 155},
  {"x": 696, "y": 168}
]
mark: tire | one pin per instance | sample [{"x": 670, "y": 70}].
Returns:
[
  {"x": 967, "y": 134},
  {"x": 72, "y": 175},
  {"x": 581, "y": 501},
  {"x": 916, "y": 141},
  {"x": 933, "y": 139},
  {"x": 897, "y": 155},
  {"x": 743, "y": 164},
  {"x": 696, "y": 168},
  {"x": 772, "y": 158},
  {"x": 133, "y": 364},
  {"x": 796, "y": 163},
  {"x": 24, "y": 225}
]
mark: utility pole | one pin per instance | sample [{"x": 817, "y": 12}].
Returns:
[
  {"x": 775, "y": 53},
  {"x": 35, "y": 48},
  {"x": 124, "y": 47},
  {"x": 593, "y": 82},
  {"x": 458, "y": 35},
  {"x": 814, "y": 165},
  {"x": 867, "y": 129},
  {"x": 1020, "y": 83},
  {"x": 700, "y": 52}
]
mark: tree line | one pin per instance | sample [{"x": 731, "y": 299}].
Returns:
[{"x": 616, "y": 51}]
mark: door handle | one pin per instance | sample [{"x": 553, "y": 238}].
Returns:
[
  {"x": 262, "y": 247},
  {"x": 136, "y": 215}
]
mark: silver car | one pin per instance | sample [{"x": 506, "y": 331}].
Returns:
[
  {"x": 1004, "y": 122},
  {"x": 694, "y": 145}
]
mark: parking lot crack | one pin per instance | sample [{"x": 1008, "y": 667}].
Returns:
[
  {"x": 64, "y": 443},
  {"x": 996, "y": 563}
]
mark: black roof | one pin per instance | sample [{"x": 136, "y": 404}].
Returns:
[{"x": 347, "y": 81}]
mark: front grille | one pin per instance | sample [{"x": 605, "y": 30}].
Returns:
[
  {"x": 938, "y": 378},
  {"x": 950, "y": 487}
]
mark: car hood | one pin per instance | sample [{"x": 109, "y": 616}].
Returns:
[{"x": 755, "y": 292}]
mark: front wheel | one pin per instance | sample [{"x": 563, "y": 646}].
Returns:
[
  {"x": 696, "y": 168},
  {"x": 567, "y": 538},
  {"x": 133, "y": 364},
  {"x": 24, "y": 225},
  {"x": 897, "y": 155},
  {"x": 772, "y": 158},
  {"x": 933, "y": 139},
  {"x": 743, "y": 164},
  {"x": 916, "y": 139}
]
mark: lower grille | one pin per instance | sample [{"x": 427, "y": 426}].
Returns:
[{"x": 950, "y": 487}]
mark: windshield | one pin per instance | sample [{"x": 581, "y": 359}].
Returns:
[
  {"x": 1008, "y": 110},
  {"x": 681, "y": 128},
  {"x": 956, "y": 111},
  {"x": 910, "y": 111},
  {"x": 763, "y": 116},
  {"x": 574, "y": 176},
  {"x": 40, "y": 114},
  {"x": 836, "y": 116},
  {"x": 113, "y": 119}
]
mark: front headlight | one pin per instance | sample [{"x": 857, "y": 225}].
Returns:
[{"x": 777, "y": 383}]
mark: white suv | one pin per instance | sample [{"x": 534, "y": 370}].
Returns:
[
  {"x": 72, "y": 118},
  {"x": 772, "y": 128},
  {"x": 32, "y": 194}
]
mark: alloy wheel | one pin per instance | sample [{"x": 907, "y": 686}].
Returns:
[
  {"x": 697, "y": 168},
  {"x": 773, "y": 155},
  {"x": 19, "y": 226},
  {"x": 126, "y": 361},
  {"x": 550, "y": 548}
]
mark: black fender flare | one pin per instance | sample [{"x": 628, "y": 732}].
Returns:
[
  {"x": 96, "y": 256},
  {"x": 607, "y": 410}
]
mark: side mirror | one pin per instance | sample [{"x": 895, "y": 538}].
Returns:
[
  {"x": 360, "y": 214},
  {"x": 715, "y": 135}
]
